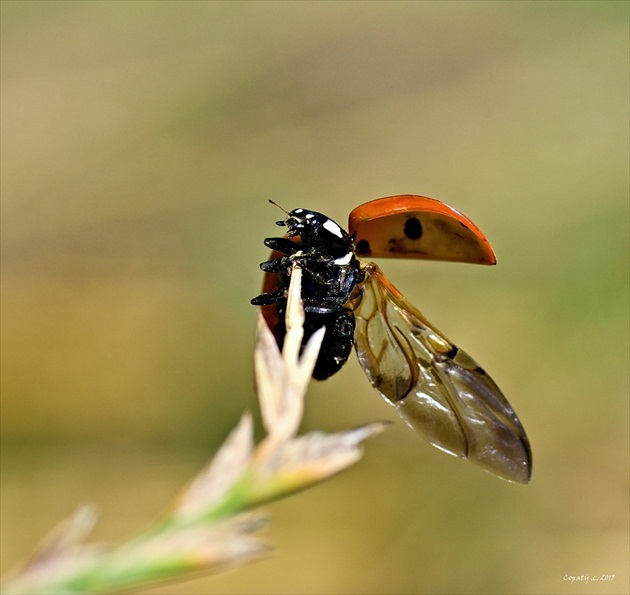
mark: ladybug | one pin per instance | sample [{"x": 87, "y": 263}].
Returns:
[{"x": 438, "y": 390}]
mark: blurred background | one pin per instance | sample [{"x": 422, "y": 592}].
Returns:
[{"x": 140, "y": 143}]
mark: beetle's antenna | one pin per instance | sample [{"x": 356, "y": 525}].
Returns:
[{"x": 277, "y": 205}]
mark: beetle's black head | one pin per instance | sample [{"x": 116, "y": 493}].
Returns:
[
  {"x": 316, "y": 231},
  {"x": 301, "y": 221}
]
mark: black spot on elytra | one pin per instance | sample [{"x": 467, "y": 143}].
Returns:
[
  {"x": 363, "y": 248},
  {"x": 413, "y": 228},
  {"x": 453, "y": 352}
]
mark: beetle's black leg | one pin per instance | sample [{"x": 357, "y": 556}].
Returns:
[
  {"x": 266, "y": 299},
  {"x": 283, "y": 245},
  {"x": 322, "y": 305},
  {"x": 276, "y": 265},
  {"x": 281, "y": 263},
  {"x": 318, "y": 309}
]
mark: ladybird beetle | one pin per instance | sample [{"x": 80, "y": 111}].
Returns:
[{"x": 438, "y": 390}]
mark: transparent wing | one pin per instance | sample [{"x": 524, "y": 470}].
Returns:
[{"x": 438, "y": 390}]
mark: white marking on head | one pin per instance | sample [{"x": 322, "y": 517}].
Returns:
[
  {"x": 332, "y": 227},
  {"x": 345, "y": 259}
]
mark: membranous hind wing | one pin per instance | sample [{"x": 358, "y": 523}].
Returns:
[{"x": 438, "y": 390}]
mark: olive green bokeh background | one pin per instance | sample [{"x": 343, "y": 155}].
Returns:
[{"x": 140, "y": 143}]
